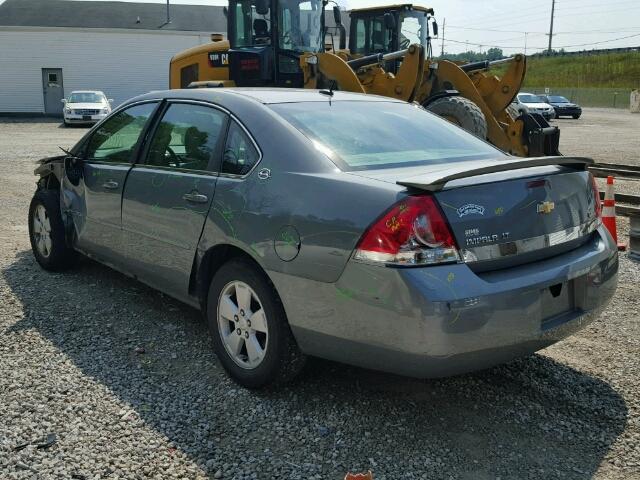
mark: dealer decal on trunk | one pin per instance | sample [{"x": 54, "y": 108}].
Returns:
[{"x": 470, "y": 208}]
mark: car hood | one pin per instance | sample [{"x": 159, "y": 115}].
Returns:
[
  {"x": 537, "y": 105},
  {"x": 94, "y": 106}
]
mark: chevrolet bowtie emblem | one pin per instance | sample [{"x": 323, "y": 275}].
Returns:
[{"x": 546, "y": 207}]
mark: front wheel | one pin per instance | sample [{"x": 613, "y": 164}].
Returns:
[
  {"x": 47, "y": 232},
  {"x": 462, "y": 112},
  {"x": 249, "y": 327},
  {"x": 575, "y": 117}
]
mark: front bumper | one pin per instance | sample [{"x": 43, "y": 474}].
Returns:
[
  {"x": 568, "y": 112},
  {"x": 84, "y": 119},
  {"x": 446, "y": 320}
]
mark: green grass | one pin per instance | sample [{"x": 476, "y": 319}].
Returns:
[
  {"x": 614, "y": 70},
  {"x": 603, "y": 80}
]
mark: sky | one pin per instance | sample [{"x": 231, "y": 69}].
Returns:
[{"x": 512, "y": 24}]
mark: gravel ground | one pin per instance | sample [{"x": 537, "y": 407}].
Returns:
[{"x": 101, "y": 377}]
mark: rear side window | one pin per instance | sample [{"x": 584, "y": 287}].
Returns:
[
  {"x": 240, "y": 155},
  {"x": 187, "y": 137},
  {"x": 363, "y": 135},
  {"x": 117, "y": 137}
]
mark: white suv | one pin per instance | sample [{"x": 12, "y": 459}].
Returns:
[
  {"x": 85, "y": 106},
  {"x": 530, "y": 103}
]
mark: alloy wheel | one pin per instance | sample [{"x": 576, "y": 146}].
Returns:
[
  {"x": 242, "y": 324},
  {"x": 42, "y": 231}
]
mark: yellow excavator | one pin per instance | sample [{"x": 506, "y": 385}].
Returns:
[{"x": 282, "y": 43}]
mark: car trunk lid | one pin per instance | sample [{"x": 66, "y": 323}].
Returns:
[{"x": 510, "y": 212}]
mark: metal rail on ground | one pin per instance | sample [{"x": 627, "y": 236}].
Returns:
[{"x": 616, "y": 170}]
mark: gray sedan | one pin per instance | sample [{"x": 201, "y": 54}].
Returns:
[{"x": 355, "y": 228}]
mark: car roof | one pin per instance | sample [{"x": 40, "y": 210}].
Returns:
[
  {"x": 87, "y": 91},
  {"x": 266, "y": 95}
]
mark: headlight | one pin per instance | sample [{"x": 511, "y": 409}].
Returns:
[
  {"x": 67, "y": 110},
  {"x": 105, "y": 111}
]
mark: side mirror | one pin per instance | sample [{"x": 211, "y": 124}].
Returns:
[
  {"x": 389, "y": 21},
  {"x": 262, "y": 7},
  {"x": 434, "y": 26},
  {"x": 111, "y": 100},
  {"x": 64, "y": 100},
  {"x": 337, "y": 16}
]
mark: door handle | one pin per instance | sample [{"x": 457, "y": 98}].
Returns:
[
  {"x": 110, "y": 184},
  {"x": 195, "y": 198}
]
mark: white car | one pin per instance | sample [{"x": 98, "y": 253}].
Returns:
[
  {"x": 85, "y": 106},
  {"x": 530, "y": 103}
]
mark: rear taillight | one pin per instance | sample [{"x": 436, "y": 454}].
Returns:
[
  {"x": 413, "y": 232},
  {"x": 596, "y": 195}
]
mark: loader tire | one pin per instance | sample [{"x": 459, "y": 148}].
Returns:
[{"x": 462, "y": 112}]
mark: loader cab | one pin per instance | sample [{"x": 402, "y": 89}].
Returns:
[
  {"x": 389, "y": 29},
  {"x": 267, "y": 38}
]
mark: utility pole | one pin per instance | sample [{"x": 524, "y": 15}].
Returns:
[
  {"x": 525, "y": 43},
  {"x": 444, "y": 21},
  {"x": 553, "y": 7}
]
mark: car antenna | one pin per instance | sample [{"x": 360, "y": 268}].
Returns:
[
  {"x": 329, "y": 92},
  {"x": 65, "y": 151}
]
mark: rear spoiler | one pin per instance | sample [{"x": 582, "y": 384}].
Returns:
[{"x": 436, "y": 180}]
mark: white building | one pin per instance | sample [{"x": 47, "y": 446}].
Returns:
[{"x": 49, "y": 48}]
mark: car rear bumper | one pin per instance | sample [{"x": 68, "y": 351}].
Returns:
[{"x": 445, "y": 320}]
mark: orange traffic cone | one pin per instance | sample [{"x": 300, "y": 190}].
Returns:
[{"x": 609, "y": 213}]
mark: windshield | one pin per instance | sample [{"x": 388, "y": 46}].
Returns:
[
  {"x": 300, "y": 24},
  {"x": 557, "y": 99},
  {"x": 372, "y": 135},
  {"x": 528, "y": 98},
  {"x": 413, "y": 30},
  {"x": 86, "y": 97},
  {"x": 301, "y": 29}
]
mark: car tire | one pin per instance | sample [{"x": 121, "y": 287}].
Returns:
[
  {"x": 462, "y": 112},
  {"x": 47, "y": 232},
  {"x": 65, "y": 124},
  {"x": 278, "y": 359},
  {"x": 575, "y": 117}
]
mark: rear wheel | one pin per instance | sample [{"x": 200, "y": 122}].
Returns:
[
  {"x": 47, "y": 232},
  {"x": 576, "y": 116},
  {"x": 462, "y": 112},
  {"x": 249, "y": 327}
]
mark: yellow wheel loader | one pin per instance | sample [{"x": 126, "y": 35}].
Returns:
[{"x": 282, "y": 43}]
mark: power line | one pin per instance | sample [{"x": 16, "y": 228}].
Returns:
[{"x": 545, "y": 48}]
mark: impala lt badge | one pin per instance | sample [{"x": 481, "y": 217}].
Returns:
[{"x": 546, "y": 207}]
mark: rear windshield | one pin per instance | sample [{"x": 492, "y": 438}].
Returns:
[{"x": 371, "y": 135}]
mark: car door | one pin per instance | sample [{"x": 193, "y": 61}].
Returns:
[
  {"x": 108, "y": 156},
  {"x": 167, "y": 197}
]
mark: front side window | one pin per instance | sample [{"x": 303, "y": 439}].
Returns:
[
  {"x": 240, "y": 155},
  {"x": 372, "y": 36},
  {"x": 115, "y": 140},
  {"x": 186, "y": 137},
  {"x": 369, "y": 135}
]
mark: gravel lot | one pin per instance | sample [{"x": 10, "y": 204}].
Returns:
[{"x": 125, "y": 379}]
